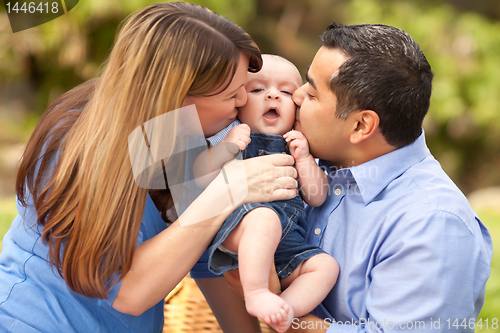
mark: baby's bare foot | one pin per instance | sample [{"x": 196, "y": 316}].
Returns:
[{"x": 271, "y": 308}]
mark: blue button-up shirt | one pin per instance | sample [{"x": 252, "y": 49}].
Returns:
[{"x": 412, "y": 253}]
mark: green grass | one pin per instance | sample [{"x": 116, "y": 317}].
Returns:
[
  {"x": 491, "y": 308},
  {"x": 7, "y": 213}
]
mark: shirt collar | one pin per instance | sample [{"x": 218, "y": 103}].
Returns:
[
  {"x": 373, "y": 176},
  {"x": 219, "y": 136}
]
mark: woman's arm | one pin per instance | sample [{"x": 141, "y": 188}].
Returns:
[
  {"x": 208, "y": 162},
  {"x": 162, "y": 261}
]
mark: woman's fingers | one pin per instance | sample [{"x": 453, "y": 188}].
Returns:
[
  {"x": 285, "y": 183},
  {"x": 261, "y": 179},
  {"x": 286, "y": 171},
  {"x": 280, "y": 164},
  {"x": 278, "y": 159},
  {"x": 283, "y": 194}
]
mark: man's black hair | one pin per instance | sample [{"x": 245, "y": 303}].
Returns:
[{"x": 386, "y": 72}]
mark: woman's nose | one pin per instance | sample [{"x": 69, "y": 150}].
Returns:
[
  {"x": 241, "y": 97},
  {"x": 298, "y": 95}
]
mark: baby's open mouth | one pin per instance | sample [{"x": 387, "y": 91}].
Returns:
[{"x": 271, "y": 114}]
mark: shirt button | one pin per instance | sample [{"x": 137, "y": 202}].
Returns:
[
  {"x": 317, "y": 231},
  {"x": 338, "y": 191}
]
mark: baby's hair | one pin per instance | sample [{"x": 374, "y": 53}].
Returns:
[
  {"x": 280, "y": 58},
  {"x": 277, "y": 57}
]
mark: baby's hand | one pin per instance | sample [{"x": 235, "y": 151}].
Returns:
[
  {"x": 299, "y": 147},
  {"x": 239, "y": 135}
]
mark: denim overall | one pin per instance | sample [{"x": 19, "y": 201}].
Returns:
[{"x": 293, "y": 248}]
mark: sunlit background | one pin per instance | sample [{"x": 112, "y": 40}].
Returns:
[{"x": 461, "y": 39}]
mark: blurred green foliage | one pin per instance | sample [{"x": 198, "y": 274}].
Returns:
[
  {"x": 463, "y": 47},
  {"x": 491, "y": 308},
  {"x": 41, "y": 63},
  {"x": 8, "y": 211},
  {"x": 464, "y": 51}
]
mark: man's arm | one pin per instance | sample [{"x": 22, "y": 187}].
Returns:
[
  {"x": 433, "y": 268},
  {"x": 429, "y": 276}
]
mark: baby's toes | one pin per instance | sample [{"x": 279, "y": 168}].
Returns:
[{"x": 272, "y": 320}]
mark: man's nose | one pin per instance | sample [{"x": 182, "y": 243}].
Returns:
[{"x": 298, "y": 95}]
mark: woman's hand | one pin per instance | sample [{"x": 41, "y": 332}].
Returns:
[{"x": 261, "y": 179}]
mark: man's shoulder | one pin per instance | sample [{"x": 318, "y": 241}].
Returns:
[
  {"x": 425, "y": 189},
  {"x": 430, "y": 180}
]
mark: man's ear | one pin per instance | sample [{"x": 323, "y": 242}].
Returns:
[{"x": 365, "y": 124}]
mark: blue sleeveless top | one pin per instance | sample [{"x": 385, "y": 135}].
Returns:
[{"x": 34, "y": 298}]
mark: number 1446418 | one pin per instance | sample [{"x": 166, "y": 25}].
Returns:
[{"x": 31, "y": 7}]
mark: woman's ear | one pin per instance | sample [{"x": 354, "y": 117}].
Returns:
[{"x": 365, "y": 125}]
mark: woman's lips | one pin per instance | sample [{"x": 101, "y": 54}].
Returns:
[{"x": 234, "y": 117}]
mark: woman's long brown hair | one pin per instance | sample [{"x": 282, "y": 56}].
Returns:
[{"x": 76, "y": 167}]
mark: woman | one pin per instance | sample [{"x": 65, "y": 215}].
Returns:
[{"x": 89, "y": 251}]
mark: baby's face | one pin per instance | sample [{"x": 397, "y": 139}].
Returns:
[{"x": 270, "y": 108}]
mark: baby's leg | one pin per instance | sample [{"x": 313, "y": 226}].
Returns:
[
  {"x": 256, "y": 239},
  {"x": 309, "y": 283}
]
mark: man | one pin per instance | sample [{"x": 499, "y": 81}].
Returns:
[{"x": 412, "y": 253}]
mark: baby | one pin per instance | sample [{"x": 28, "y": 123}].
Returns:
[{"x": 260, "y": 233}]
